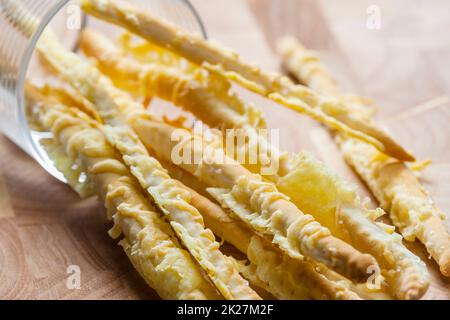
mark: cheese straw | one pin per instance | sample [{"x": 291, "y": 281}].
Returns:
[
  {"x": 173, "y": 201},
  {"x": 296, "y": 279},
  {"x": 207, "y": 96},
  {"x": 197, "y": 50},
  {"x": 116, "y": 108},
  {"x": 307, "y": 182},
  {"x": 393, "y": 184},
  {"x": 301, "y": 280},
  {"x": 186, "y": 90},
  {"x": 116, "y": 143},
  {"x": 272, "y": 214},
  {"x": 184, "y": 219},
  {"x": 148, "y": 240}
]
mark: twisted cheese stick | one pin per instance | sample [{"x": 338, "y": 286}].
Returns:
[
  {"x": 84, "y": 78},
  {"x": 199, "y": 51},
  {"x": 313, "y": 285},
  {"x": 149, "y": 241},
  {"x": 201, "y": 94},
  {"x": 294, "y": 279},
  {"x": 398, "y": 190},
  {"x": 114, "y": 106},
  {"x": 120, "y": 144},
  {"x": 146, "y": 52},
  {"x": 407, "y": 276},
  {"x": 336, "y": 204},
  {"x": 206, "y": 96},
  {"x": 314, "y": 189},
  {"x": 110, "y": 116},
  {"x": 187, "y": 222},
  {"x": 392, "y": 183},
  {"x": 273, "y": 214},
  {"x": 70, "y": 98},
  {"x": 173, "y": 201},
  {"x": 287, "y": 279},
  {"x": 306, "y": 279}
]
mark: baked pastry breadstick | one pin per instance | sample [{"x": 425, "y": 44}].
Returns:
[
  {"x": 398, "y": 190},
  {"x": 116, "y": 107},
  {"x": 302, "y": 280},
  {"x": 207, "y": 96},
  {"x": 335, "y": 203},
  {"x": 392, "y": 183},
  {"x": 229, "y": 64},
  {"x": 111, "y": 106},
  {"x": 407, "y": 275},
  {"x": 294, "y": 279},
  {"x": 173, "y": 201},
  {"x": 288, "y": 279},
  {"x": 184, "y": 218},
  {"x": 272, "y": 214},
  {"x": 148, "y": 239},
  {"x": 314, "y": 285},
  {"x": 70, "y": 98},
  {"x": 122, "y": 146}
]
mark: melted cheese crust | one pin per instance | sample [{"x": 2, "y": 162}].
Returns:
[
  {"x": 201, "y": 52},
  {"x": 149, "y": 240},
  {"x": 116, "y": 108},
  {"x": 392, "y": 183}
]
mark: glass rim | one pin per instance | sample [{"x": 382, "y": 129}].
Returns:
[{"x": 38, "y": 153}]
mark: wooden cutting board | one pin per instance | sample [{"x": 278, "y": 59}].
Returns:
[{"x": 45, "y": 228}]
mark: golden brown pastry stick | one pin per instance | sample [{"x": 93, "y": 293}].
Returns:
[
  {"x": 392, "y": 183},
  {"x": 208, "y": 97},
  {"x": 302, "y": 280},
  {"x": 288, "y": 278},
  {"x": 70, "y": 98},
  {"x": 110, "y": 116},
  {"x": 221, "y": 60},
  {"x": 399, "y": 191},
  {"x": 115, "y": 107},
  {"x": 91, "y": 84},
  {"x": 294, "y": 232},
  {"x": 149, "y": 240},
  {"x": 406, "y": 276},
  {"x": 121, "y": 147},
  {"x": 187, "y": 223},
  {"x": 336, "y": 204},
  {"x": 184, "y": 218},
  {"x": 314, "y": 286},
  {"x": 293, "y": 279},
  {"x": 146, "y": 52}
]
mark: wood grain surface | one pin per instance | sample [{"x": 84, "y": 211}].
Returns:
[{"x": 45, "y": 228}]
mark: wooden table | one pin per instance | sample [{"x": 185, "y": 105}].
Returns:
[{"x": 404, "y": 66}]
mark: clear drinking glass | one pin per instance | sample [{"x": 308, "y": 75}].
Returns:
[{"x": 18, "y": 61}]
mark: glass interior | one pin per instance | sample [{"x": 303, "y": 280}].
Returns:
[{"x": 20, "y": 63}]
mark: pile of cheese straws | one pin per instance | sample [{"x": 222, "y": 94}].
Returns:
[{"x": 303, "y": 229}]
